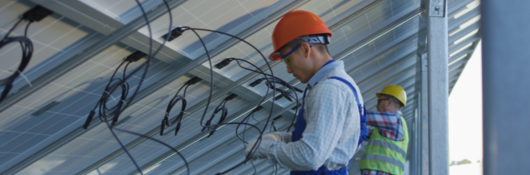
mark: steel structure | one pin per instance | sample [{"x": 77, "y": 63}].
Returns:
[{"x": 421, "y": 45}]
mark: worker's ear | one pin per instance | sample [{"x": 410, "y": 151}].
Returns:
[{"x": 306, "y": 48}]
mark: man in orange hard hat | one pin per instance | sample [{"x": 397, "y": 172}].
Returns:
[{"x": 328, "y": 125}]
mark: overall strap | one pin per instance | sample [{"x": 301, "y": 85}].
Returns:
[{"x": 300, "y": 122}]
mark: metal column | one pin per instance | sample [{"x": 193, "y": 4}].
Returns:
[
  {"x": 420, "y": 165},
  {"x": 506, "y": 84},
  {"x": 437, "y": 100}
]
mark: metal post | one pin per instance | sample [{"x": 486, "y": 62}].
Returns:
[
  {"x": 420, "y": 163},
  {"x": 423, "y": 119},
  {"x": 437, "y": 50},
  {"x": 506, "y": 84}
]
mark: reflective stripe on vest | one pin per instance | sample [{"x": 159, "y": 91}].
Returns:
[
  {"x": 384, "y": 159},
  {"x": 388, "y": 145}
]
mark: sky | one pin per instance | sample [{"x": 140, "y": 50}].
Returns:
[{"x": 465, "y": 118}]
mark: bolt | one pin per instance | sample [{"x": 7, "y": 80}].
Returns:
[{"x": 437, "y": 8}]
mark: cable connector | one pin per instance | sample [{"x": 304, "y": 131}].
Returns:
[
  {"x": 258, "y": 108},
  {"x": 193, "y": 81},
  {"x": 255, "y": 83},
  {"x": 231, "y": 97},
  {"x": 175, "y": 33},
  {"x": 135, "y": 56},
  {"x": 288, "y": 98},
  {"x": 37, "y": 13},
  {"x": 223, "y": 63}
]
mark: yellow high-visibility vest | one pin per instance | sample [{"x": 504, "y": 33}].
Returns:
[{"x": 384, "y": 154}]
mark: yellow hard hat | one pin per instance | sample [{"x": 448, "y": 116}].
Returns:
[{"x": 395, "y": 91}]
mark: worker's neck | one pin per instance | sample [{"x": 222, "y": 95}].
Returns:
[{"x": 320, "y": 61}]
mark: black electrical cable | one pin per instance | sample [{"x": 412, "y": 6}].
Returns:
[
  {"x": 122, "y": 104},
  {"x": 146, "y": 64},
  {"x": 258, "y": 70},
  {"x": 27, "y": 52},
  {"x": 270, "y": 82},
  {"x": 211, "y": 82},
  {"x": 254, "y": 166},
  {"x": 104, "y": 111},
  {"x": 177, "y": 98},
  {"x": 258, "y": 142},
  {"x": 271, "y": 85},
  {"x": 219, "y": 109},
  {"x": 12, "y": 28}
]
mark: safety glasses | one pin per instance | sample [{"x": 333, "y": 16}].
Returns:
[
  {"x": 380, "y": 100},
  {"x": 287, "y": 58}
]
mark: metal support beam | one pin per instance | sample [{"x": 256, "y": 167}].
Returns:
[
  {"x": 506, "y": 53},
  {"x": 437, "y": 51}
]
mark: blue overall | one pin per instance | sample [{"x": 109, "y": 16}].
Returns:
[{"x": 301, "y": 124}]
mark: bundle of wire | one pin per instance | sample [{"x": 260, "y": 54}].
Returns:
[
  {"x": 175, "y": 100},
  {"x": 219, "y": 109},
  {"x": 27, "y": 52},
  {"x": 271, "y": 84}
]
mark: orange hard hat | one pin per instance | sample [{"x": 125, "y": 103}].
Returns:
[{"x": 296, "y": 24}]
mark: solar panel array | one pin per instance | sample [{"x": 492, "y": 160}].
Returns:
[{"x": 40, "y": 122}]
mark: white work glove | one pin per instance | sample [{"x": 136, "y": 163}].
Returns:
[
  {"x": 276, "y": 136},
  {"x": 282, "y": 136}
]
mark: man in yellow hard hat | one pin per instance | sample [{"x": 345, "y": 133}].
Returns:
[
  {"x": 386, "y": 152},
  {"x": 328, "y": 125}
]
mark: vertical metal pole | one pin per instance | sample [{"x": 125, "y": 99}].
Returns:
[
  {"x": 506, "y": 86},
  {"x": 421, "y": 134},
  {"x": 424, "y": 135},
  {"x": 414, "y": 158},
  {"x": 437, "y": 49}
]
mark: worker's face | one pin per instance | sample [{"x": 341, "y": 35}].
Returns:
[
  {"x": 297, "y": 61},
  {"x": 384, "y": 103}
]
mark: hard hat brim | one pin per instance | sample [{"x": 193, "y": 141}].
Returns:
[{"x": 275, "y": 56}]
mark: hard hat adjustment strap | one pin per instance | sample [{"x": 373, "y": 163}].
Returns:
[{"x": 316, "y": 39}]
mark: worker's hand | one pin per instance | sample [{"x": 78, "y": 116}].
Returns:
[
  {"x": 249, "y": 147},
  {"x": 281, "y": 136},
  {"x": 266, "y": 137}
]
